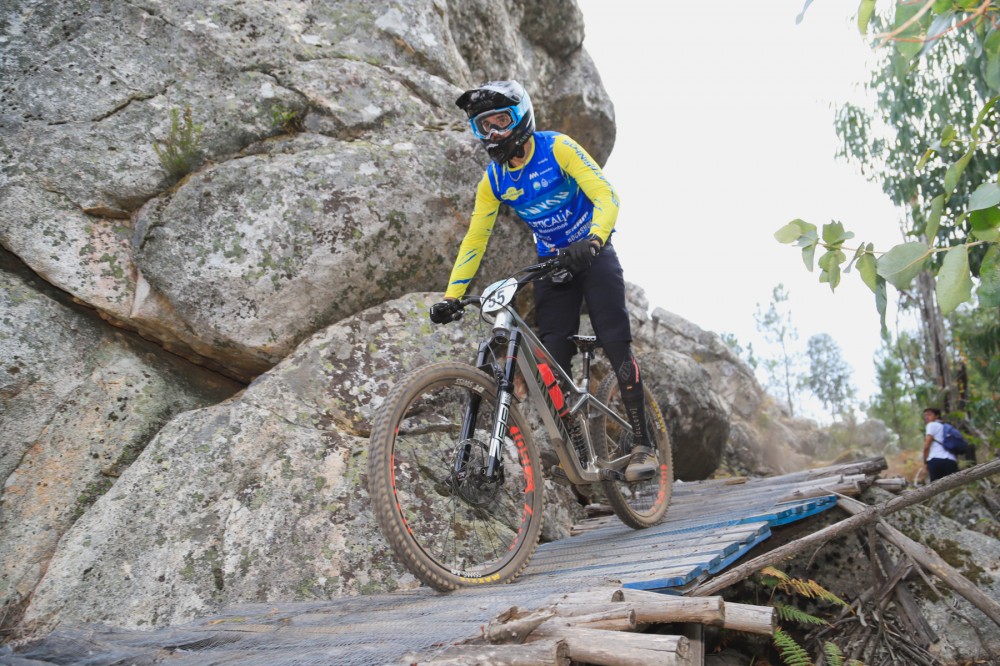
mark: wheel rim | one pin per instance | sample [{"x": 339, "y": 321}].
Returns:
[
  {"x": 644, "y": 498},
  {"x": 465, "y": 524}
]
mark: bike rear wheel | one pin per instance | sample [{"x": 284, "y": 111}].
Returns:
[
  {"x": 450, "y": 525},
  {"x": 644, "y": 503}
]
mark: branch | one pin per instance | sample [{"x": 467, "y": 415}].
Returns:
[
  {"x": 869, "y": 515},
  {"x": 931, "y": 561},
  {"x": 886, "y": 36}
]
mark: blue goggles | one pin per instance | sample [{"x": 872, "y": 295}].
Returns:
[{"x": 497, "y": 121}]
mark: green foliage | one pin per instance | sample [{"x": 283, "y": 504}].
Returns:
[
  {"x": 898, "y": 376},
  {"x": 180, "y": 153},
  {"x": 778, "y": 581},
  {"x": 746, "y": 355},
  {"x": 793, "y": 614},
  {"x": 775, "y": 323},
  {"x": 792, "y": 654},
  {"x": 829, "y": 377},
  {"x": 287, "y": 119},
  {"x": 834, "y": 657},
  {"x": 936, "y": 91}
]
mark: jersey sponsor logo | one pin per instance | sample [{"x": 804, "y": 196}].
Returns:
[
  {"x": 512, "y": 194},
  {"x": 541, "y": 207}
]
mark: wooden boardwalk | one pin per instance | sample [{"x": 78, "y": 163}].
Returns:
[{"x": 709, "y": 526}]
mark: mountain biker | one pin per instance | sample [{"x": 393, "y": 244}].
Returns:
[{"x": 560, "y": 192}]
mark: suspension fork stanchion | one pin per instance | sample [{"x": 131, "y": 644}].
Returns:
[
  {"x": 504, "y": 397},
  {"x": 471, "y": 414}
]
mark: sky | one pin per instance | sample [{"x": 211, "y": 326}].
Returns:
[{"x": 725, "y": 133}]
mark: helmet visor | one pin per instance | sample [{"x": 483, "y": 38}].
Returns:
[{"x": 495, "y": 122}]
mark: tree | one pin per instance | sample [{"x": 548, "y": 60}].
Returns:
[
  {"x": 932, "y": 143},
  {"x": 893, "y": 404},
  {"x": 775, "y": 324},
  {"x": 933, "y": 89},
  {"x": 746, "y": 355},
  {"x": 829, "y": 376}
]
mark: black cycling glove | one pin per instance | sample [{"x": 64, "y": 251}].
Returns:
[
  {"x": 445, "y": 311},
  {"x": 580, "y": 255}
]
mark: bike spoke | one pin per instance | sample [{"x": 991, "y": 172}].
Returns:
[{"x": 464, "y": 522}]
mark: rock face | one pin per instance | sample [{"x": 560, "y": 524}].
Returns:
[
  {"x": 260, "y": 498},
  {"x": 222, "y": 226},
  {"x": 83, "y": 402}
]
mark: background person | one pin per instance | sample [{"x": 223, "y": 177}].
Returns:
[{"x": 938, "y": 460}]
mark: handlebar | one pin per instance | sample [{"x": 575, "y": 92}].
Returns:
[{"x": 529, "y": 273}]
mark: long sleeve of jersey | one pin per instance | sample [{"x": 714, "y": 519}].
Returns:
[
  {"x": 575, "y": 161},
  {"x": 470, "y": 254}
]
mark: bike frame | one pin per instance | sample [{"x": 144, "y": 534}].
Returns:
[{"x": 510, "y": 329}]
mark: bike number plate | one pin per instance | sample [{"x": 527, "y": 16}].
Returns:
[{"x": 498, "y": 295}]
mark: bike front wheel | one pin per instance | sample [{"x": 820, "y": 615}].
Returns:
[
  {"x": 445, "y": 520},
  {"x": 644, "y": 503}
]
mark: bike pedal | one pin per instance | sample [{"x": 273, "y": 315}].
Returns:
[{"x": 612, "y": 475}]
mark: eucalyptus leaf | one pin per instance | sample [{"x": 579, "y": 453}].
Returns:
[
  {"x": 902, "y": 263},
  {"x": 954, "y": 284},
  {"x": 988, "y": 292},
  {"x": 865, "y": 12},
  {"x": 834, "y": 276},
  {"x": 909, "y": 42},
  {"x": 808, "y": 254},
  {"x": 948, "y": 134},
  {"x": 955, "y": 171},
  {"x": 867, "y": 270},
  {"x": 881, "y": 299},
  {"x": 986, "y": 195},
  {"x": 788, "y": 233},
  {"x": 929, "y": 153},
  {"x": 834, "y": 234},
  {"x": 985, "y": 222},
  {"x": 940, "y": 24},
  {"x": 934, "y": 219}
]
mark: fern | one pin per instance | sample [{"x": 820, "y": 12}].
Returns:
[
  {"x": 774, "y": 573},
  {"x": 833, "y": 654},
  {"x": 824, "y": 594},
  {"x": 793, "y": 614},
  {"x": 791, "y": 652}
]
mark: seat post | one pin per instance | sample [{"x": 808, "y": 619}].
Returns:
[{"x": 586, "y": 344}]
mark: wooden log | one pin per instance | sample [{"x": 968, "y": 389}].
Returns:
[
  {"x": 514, "y": 625},
  {"x": 870, "y": 515},
  {"x": 600, "y": 596},
  {"x": 612, "y": 619},
  {"x": 660, "y": 609},
  {"x": 695, "y": 633},
  {"x": 617, "y": 648},
  {"x": 893, "y": 485},
  {"x": 931, "y": 561},
  {"x": 539, "y": 653},
  {"x": 751, "y": 619}
]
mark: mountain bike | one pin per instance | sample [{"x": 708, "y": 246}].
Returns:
[{"x": 454, "y": 473}]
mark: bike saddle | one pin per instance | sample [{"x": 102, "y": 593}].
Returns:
[{"x": 585, "y": 343}]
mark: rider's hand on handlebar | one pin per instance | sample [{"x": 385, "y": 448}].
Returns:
[
  {"x": 580, "y": 255},
  {"x": 450, "y": 309}
]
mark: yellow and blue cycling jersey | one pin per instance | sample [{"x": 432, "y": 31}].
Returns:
[{"x": 559, "y": 191}]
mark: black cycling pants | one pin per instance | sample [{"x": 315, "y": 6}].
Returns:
[
  {"x": 557, "y": 316},
  {"x": 558, "y": 307}
]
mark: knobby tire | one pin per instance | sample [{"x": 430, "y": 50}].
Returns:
[
  {"x": 644, "y": 503},
  {"x": 451, "y": 529}
]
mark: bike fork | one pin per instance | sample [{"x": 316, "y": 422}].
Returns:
[{"x": 504, "y": 397}]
